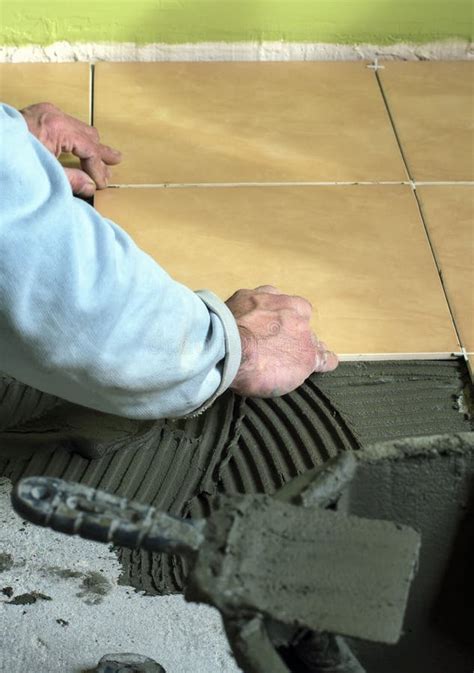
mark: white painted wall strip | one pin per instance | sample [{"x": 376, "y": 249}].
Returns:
[{"x": 235, "y": 51}]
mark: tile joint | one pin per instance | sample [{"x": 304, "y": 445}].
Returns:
[
  {"x": 91, "y": 93},
  {"x": 363, "y": 183},
  {"x": 375, "y": 65}
]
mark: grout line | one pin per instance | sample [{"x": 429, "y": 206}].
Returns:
[
  {"x": 91, "y": 111},
  {"x": 437, "y": 263},
  {"x": 413, "y": 185},
  {"x": 368, "y": 357},
  {"x": 92, "y": 93},
  {"x": 178, "y": 185},
  {"x": 420, "y": 183},
  {"x": 394, "y": 128}
]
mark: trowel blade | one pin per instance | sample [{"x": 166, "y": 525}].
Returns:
[{"x": 308, "y": 567}]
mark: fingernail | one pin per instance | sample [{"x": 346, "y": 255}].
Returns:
[{"x": 87, "y": 188}]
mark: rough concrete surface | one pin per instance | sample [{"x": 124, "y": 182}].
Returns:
[{"x": 73, "y": 611}]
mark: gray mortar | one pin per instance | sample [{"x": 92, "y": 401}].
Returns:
[
  {"x": 305, "y": 566},
  {"x": 427, "y": 484},
  {"x": 6, "y": 561},
  {"x": 29, "y": 598},
  {"x": 20, "y": 403},
  {"x": 93, "y": 586},
  {"x": 237, "y": 446},
  {"x": 127, "y": 663},
  {"x": 258, "y": 445}
]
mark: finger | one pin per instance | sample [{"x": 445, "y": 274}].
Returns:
[
  {"x": 99, "y": 172},
  {"x": 109, "y": 155},
  {"x": 268, "y": 289},
  {"x": 88, "y": 152},
  {"x": 80, "y": 182},
  {"x": 326, "y": 361}
]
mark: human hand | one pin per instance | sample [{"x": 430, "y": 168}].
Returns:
[
  {"x": 61, "y": 133},
  {"x": 279, "y": 349}
]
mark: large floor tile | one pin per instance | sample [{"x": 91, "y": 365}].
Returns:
[
  {"x": 359, "y": 253},
  {"x": 432, "y": 105},
  {"x": 245, "y": 122},
  {"x": 449, "y": 215},
  {"x": 63, "y": 84}
]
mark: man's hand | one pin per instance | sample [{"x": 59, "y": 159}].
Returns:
[
  {"x": 279, "y": 350},
  {"x": 61, "y": 133}
]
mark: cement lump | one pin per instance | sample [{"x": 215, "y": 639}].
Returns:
[
  {"x": 127, "y": 663},
  {"x": 425, "y": 483},
  {"x": 348, "y": 575}
]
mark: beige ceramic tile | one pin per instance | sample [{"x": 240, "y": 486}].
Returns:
[
  {"x": 449, "y": 215},
  {"x": 432, "y": 105},
  {"x": 245, "y": 122},
  {"x": 359, "y": 253},
  {"x": 66, "y": 85},
  {"x": 63, "y": 84}
]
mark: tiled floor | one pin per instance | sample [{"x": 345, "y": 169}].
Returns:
[
  {"x": 365, "y": 254},
  {"x": 66, "y": 85}
]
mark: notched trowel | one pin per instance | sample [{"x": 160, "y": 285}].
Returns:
[{"x": 264, "y": 561}]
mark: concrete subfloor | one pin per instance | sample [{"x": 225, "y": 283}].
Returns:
[
  {"x": 236, "y": 447},
  {"x": 81, "y": 613}
]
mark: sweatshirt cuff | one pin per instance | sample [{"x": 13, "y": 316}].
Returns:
[{"x": 233, "y": 349}]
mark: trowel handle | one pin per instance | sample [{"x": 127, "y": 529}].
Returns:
[{"x": 75, "y": 509}]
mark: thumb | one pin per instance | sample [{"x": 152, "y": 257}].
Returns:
[
  {"x": 326, "y": 361},
  {"x": 81, "y": 183}
]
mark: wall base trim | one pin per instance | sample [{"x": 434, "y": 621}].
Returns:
[{"x": 235, "y": 51}]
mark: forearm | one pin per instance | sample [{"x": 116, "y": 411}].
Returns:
[{"x": 88, "y": 316}]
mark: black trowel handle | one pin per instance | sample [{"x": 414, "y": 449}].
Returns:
[{"x": 96, "y": 515}]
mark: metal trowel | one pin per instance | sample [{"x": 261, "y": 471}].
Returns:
[{"x": 268, "y": 563}]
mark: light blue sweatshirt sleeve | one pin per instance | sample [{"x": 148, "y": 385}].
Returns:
[{"x": 88, "y": 316}]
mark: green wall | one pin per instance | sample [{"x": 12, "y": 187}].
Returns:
[{"x": 177, "y": 21}]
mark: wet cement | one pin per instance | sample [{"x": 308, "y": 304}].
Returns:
[
  {"x": 305, "y": 567},
  {"x": 428, "y": 484},
  {"x": 238, "y": 446}
]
